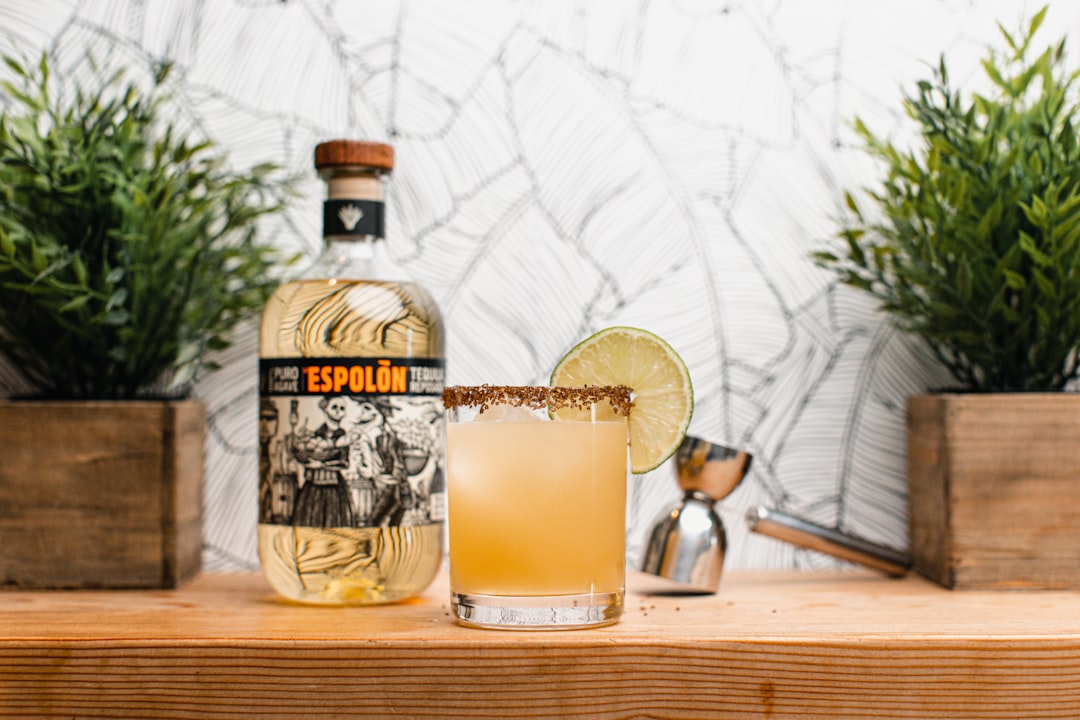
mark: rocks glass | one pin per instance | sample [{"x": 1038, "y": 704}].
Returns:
[{"x": 537, "y": 499}]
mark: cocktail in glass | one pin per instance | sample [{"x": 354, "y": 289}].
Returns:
[{"x": 537, "y": 505}]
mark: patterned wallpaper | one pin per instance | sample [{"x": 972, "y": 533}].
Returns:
[{"x": 567, "y": 165}]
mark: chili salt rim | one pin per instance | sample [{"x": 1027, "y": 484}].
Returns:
[{"x": 537, "y": 396}]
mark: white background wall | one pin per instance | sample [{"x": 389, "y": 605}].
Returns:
[{"x": 565, "y": 166}]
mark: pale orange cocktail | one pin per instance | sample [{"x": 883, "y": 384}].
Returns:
[{"x": 537, "y": 507}]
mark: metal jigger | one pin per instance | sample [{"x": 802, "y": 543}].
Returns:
[{"x": 687, "y": 544}]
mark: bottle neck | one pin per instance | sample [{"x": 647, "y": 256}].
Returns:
[
  {"x": 354, "y": 186},
  {"x": 354, "y": 244},
  {"x": 353, "y": 209}
]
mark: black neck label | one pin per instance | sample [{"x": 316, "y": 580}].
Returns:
[{"x": 353, "y": 217}]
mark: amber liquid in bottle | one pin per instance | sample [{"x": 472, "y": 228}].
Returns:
[{"x": 352, "y": 489}]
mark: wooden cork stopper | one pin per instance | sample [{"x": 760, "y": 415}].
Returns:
[{"x": 356, "y": 153}]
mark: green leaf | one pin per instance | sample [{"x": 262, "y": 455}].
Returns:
[
  {"x": 217, "y": 344},
  {"x": 1014, "y": 280},
  {"x": 1036, "y": 22},
  {"x": 184, "y": 374},
  {"x": 115, "y": 318},
  {"x": 74, "y": 304},
  {"x": 992, "y": 72},
  {"x": 38, "y": 261},
  {"x": 7, "y": 245},
  {"x": 1027, "y": 243},
  {"x": 855, "y": 250},
  {"x": 116, "y": 300},
  {"x": 1045, "y": 285},
  {"x": 849, "y": 200}
]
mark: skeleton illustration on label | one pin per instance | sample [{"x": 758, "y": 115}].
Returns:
[{"x": 351, "y": 442}]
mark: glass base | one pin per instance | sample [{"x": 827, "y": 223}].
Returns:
[{"x": 539, "y": 612}]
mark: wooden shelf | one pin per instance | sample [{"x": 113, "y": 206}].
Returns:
[{"x": 768, "y": 645}]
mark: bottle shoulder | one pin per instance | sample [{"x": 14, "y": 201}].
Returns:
[{"x": 335, "y": 317}]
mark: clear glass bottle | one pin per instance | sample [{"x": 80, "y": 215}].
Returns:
[{"x": 351, "y": 430}]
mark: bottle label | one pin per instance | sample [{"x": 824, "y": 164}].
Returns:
[
  {"x": 353, "y": 217},
  {"x": 351, "y": 442}
]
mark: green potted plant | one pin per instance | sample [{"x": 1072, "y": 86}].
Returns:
[
  {"x": 972, "y": 242},
  {"x": 128, "y": 252}
]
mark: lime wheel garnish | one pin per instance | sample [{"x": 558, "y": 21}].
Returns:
[{"x": 663, "y": 396}]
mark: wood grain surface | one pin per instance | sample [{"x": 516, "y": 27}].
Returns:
[
  {"x": 995, "y": 502},
  {"x": 768, "y": 645},
  {"x": 101, "y": 494}
]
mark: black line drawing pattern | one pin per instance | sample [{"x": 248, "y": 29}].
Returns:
[
  {"x": 349, "y": 461},
  {"x": 566, "y": 166}
]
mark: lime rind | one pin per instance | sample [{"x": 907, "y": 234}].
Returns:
[{"x": 663, "y": 392}]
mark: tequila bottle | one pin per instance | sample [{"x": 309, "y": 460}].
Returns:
[{"x": 352, "y": 450}]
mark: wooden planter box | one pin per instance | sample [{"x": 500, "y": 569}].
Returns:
[
  {"x": 100, "y": 494},
  {"x": 994, "y": 485}
]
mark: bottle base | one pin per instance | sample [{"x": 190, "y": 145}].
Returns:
[{"x": 350, "y": 566}]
